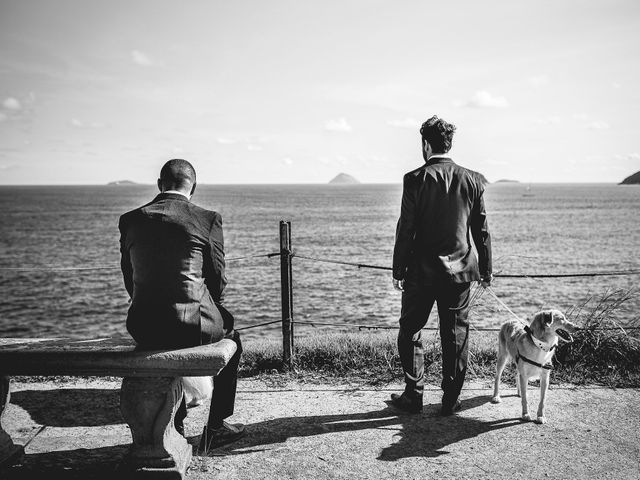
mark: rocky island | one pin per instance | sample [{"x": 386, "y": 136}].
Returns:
[
  {"x": 631, "y": 179},
  {"x": 343, "y": 179},
  {"x": 122, "y": 182}
]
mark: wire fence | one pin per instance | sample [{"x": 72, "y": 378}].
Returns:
[{"x": 361, "y": 327}]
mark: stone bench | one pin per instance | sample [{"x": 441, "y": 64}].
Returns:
[{"x": 150, "y": 395}]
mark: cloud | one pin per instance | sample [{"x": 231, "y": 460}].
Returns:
[
  {"x": 405, "y": 123},
  {"x": 616, "y": 85},
  {"x": 598, "y": 125},
  {"x": 11, "y": 103},
  {"x": 226, "y": 141},
  {"x": 254, "y": 148},
  {"x": 339, "y": 125},
  {"x": 552, "y": 120},
  {"x": 287, "y": 161},
  {"x": 538, "y": 80},
  {"x": 3, "y": 117},
  {"x": 141, "y": 59},
  {"x": 74, "y": 122},
  {"x": 580, "y": 116},
  {"x": 483, "y": 99}
]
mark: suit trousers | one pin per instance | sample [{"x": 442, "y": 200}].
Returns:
[
  {"x": 224, "y": 389},
  {"x": 452, "y": 300}
]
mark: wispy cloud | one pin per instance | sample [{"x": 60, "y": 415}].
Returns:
[
  {"x": 552, "y": 120},
  {"x": 141, "y": 59},
  {"x": 339, "y": 125},
  {"x": 77, "y": 123},
  {"x": 11, "y": 103},
  {"x": 405, "y": 123},
  {"x": 226, "y": 141},
  {"x": 598, "y": 125},
  {"x": 538, "y": 80},
  {"x": 483, "y": 99},
  {"x": 287, "y": 161}
]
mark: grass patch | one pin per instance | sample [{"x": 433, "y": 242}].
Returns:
[{"x": 603, "y": 353}]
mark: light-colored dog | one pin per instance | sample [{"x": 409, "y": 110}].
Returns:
[{"x": 531, "y": 348}]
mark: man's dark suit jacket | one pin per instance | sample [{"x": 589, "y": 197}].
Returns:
[
  {"x": 442, "y": 207},
  {"x": 172, "y": 259}
]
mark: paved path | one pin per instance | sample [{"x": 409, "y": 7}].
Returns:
[{"x": 345, "y": 431}]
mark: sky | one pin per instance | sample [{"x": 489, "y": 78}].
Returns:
[{"x": 290, "y": 91}]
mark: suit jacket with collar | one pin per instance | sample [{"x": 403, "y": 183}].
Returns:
[
  {"x": 442, "y": 217},
  {"x": 172, "y": 260}
]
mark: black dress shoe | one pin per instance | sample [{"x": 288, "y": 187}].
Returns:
[
  {"x": 403, "y": 402},
  {"x": 216, "y": 437},
  {"x": 447, "y": 410}
]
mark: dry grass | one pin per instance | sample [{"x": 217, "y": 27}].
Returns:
[{"x": 602, "y": 353}]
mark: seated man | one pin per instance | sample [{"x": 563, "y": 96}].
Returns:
[{"x": 172, "y": 259}]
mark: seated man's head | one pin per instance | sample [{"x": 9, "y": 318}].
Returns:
[
  {"x": 179, "y": 175},
  {"x": 437, "y": 136}
]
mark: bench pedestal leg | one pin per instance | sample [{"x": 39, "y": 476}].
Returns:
[
  {"x": 149, "y": 406},
  {"x": 9, "y": 451}
]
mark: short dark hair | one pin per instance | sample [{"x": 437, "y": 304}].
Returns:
[
  {"x": 438, "y": 133},
  {"x": 177, "y": 174}
]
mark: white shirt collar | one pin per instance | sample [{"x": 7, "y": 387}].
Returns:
[
  {"x": 188, "y": 197},
  {"x": 439, "y": 155}
]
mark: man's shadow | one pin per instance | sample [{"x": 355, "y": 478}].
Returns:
[{"x": 423, "y": 435}]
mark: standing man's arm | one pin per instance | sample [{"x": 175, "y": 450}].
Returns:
[
  {"x": 125, "y": 259},
  {"x": 405, "y": 233},
  {"x": 482, "y": 240},
  {"x": 214, "y": 264}
]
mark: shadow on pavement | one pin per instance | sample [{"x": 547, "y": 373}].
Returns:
[
  {"x": 423, "y": 435},
  {"x": 71, "y": 407}
]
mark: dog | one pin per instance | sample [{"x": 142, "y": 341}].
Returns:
[{"x": 531, "y": 347}]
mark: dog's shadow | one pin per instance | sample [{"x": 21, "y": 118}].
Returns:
[{"x": 425, "y": 435}]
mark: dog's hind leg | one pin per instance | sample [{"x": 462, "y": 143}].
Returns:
[
  {"x": 544, "y": 386},
  {"x": 523, "y": 380}
]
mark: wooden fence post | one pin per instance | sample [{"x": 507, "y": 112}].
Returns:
[{"x": 287, "y": 293}]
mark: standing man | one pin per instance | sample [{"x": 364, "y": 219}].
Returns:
[
  {"x": 172, "y": 259},
  {"x": 434, "y": 262}
]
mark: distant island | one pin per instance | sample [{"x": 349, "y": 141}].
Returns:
[
  {"x": 344, "y": 179},
  {"x": 504, "y": 180},
  {"x": 631, "y": 179},
  {"x": 122, "y": 182}
]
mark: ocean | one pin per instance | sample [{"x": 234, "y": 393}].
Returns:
[{"x": 536, "y": 229}]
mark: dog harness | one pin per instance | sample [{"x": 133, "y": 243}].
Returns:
[
  {"x": 546, "y": 366},
  {"x": 541, "y": 345}
]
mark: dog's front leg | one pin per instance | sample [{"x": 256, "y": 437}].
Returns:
[
  {"x": 544, "y": 386},
  {"x": 523, "y": 380}
]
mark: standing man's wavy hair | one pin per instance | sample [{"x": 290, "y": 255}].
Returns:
[{"x": 438, "y": 133}]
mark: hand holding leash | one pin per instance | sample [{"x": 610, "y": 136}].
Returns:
[
  {"x": 398, "y": 285},
  {"x": 486, "y": 280}
]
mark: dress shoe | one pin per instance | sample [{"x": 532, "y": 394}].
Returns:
[
  {"x": 403, "y": 402},
  {"x": 447, "y": 410},
  {"x": 216, "y": 437}
]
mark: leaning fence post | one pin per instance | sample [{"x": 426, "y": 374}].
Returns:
[{"x": 287, "y": 293}]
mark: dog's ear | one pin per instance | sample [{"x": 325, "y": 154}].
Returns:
[{"x": 547, "y": 318}]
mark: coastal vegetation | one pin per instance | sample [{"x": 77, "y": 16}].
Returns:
[{"x": 602, "y": 352}]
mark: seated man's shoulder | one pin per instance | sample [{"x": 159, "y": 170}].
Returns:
[{"x": 203, "y": 212}]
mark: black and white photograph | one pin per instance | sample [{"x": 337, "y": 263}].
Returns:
[{"x": 354, "y": 239}]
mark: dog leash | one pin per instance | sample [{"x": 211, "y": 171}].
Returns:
[{"x": 493, "y": 294}]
